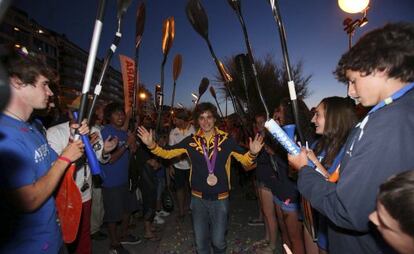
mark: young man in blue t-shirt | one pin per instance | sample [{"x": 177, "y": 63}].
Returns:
[
  {"x": 30, "y": 170},
  {"x": 380, "y": 74},
  {"x": 119, "y": 203}
]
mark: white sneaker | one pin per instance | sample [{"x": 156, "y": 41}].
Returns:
[
  {"x": 162, "y": 213},
  {"x": 158, "y": 220}
]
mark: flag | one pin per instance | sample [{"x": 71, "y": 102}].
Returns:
[{"x": 128, "y": 77}]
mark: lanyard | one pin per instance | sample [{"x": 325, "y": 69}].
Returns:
[
  {"x": 395, "y": 96},
  {"x": 210, "y": 163}
]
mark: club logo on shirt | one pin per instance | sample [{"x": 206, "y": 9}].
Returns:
[{"x": 41, "y": 153}]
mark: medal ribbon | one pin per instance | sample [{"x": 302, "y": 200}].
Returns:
[
  {"x": 380, "y": 105},
  {"x": 211, "y": 164},
  {"x": 392, "y": 98}
]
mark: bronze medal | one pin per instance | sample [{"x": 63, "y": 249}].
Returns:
[{"x": 211, "y": 179}]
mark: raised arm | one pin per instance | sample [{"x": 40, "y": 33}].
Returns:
[
  {"x": 148, "y": 139},
  {"x": 256, "y": 144},
  {"x": 247, "y": 159}
]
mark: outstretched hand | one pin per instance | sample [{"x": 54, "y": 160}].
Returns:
[
  {"x": 146, "y": 136},
  {"x": 256, "y": 144}
]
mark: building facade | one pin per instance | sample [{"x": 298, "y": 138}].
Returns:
[{"x": 69, "y": 61}]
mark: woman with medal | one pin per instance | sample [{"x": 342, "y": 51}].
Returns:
[{"x": 210, "y": 151}]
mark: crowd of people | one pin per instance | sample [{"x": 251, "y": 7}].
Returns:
[{"x": 349, "y": 190}]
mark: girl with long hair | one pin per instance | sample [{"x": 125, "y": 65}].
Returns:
[{"x": 334, "y": 118}]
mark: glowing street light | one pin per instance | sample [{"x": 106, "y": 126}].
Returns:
[
  {"x": 354, "y": 6},
  {"x": 142, "y": 95}
]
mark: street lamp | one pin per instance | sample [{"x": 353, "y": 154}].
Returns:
[
  {"x": 142, "y": 95},
  {"x": 354, "y": 6}
]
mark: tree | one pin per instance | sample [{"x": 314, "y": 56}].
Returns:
[{"x": 273, "y": 82}]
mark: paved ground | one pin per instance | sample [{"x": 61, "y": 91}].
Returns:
[{"x": 177, "y": 237}]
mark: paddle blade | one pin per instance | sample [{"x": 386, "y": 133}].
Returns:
[
  {"x": 177, "y": 64},
  {"x": 224, "y": 73},
  {"x": 69, "y": 206},
  {"x": 168, "y": 34},
  {"x": 203, "y": 86},
  {"x": 165, "y": 30},
  {"x": 139, "y": 24},
  {"x": 172, "y": 31},
  {"x": 122, "y": 6},
  {"x": 197, "y": 17},
  {"x": 213, "y": 92}
]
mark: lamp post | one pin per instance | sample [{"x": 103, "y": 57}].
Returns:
[{"x": 354, "y": 6}]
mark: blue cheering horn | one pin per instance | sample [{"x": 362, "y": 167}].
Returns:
[
  {"x": 285, "y": 135},
  {"x": 90, "y": 153},
  {"x": 283, "y": 138}
]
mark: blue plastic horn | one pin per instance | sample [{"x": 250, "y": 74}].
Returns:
[
  {"x": 282, "y": 137},
  {"x": 285, "y": 136},
  {"x": 90, "y": 153}
]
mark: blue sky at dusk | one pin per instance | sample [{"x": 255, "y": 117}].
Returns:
[{"x": 313, "y": 28}]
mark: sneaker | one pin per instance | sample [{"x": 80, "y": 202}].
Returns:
[
  {"x": 98, "y": 236},
  {"x": 118, "y": 250},
  {"x": 130, "y": 239},
  {"x": 158, "y": 220},
  {"x": 255, "y": 222},
  {"x": 162, "y": 213}
]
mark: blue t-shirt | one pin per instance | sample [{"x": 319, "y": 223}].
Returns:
[
  {"x": 25, "y": 156},
  {"x": 116, "y": 173}
]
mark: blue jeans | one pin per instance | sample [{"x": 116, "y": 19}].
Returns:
[{"x": 210, "y": 219}]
